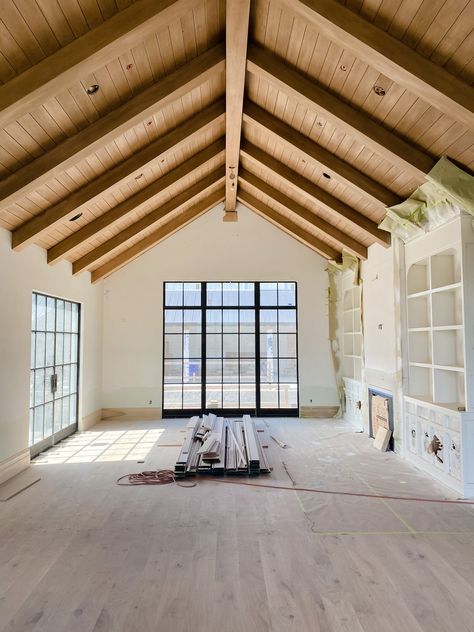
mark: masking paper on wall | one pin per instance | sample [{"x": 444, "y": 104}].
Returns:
[{"x": 448, "y": 190}]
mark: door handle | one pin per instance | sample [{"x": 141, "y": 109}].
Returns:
[{"x": 54, "y": 383}]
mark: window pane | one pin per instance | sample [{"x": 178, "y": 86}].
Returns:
[
  {"x": 32, "y": 427},
  {"x": 213, "y": 345},
  {"x": 288, "y": 396},
  {"x": 230, "y": 371},
  {"x": 67, "y": 316},
  {"x": 173, "y": 321},
  {"x": 269, "y": 396},
  {"x": 192, "y": 294},
  {"x": 269, "y": 371},
  {"x": 173, "y": 346},
  {"x": 59, "y": 373},
  {"x": 286, "y": 294},
  {"x": 38, "y": 424},
  {"x": 172, "y": 396},
  {"x": 192, "y": 371},
  {"x": 32, "y": 389},
  {"x": 287, "y": 320},
  {"x": 173, "y": 294},
  {"x": 66, "y": 379},
  {"x": 268, "y": 293},
  {"x": 49, "y": 361},
  {"x": 67, "y": 348},
  {"x": 192, "y": 346},
  {"x": 230, "y": 293},
  {"x": 41, "y": 312},
  {"x": 75, "y": 318},
  {"x": 247, "y": 345},
  {"x": 39, "y": 387},
  {"x": 59, "y": 348},
  {"x": 247, "y": 321},
  {"x": 59, "y": 315},
  {"x": 191, "y": 396},
  {"x": 214, "y": 321},
  {"x": 268, "y": 320},
  {"x": 247, "y": 396},
  {"x": 74, "y": 347},
  {"x": 288, "y": 371},
  {"x": 247, "y": 371},
  {"x": 66, "y": 420},
  {"x": 73, "y": 409},
  {"x": 33, "y": 350},
  {"x": 73, "y": 384},
  {"x": 50, "y": 314},
  {"x": 173, "y": 371},
  {"x": 287, "y": 344},
  {"x": 48, "y": 419},
  {"x": 192, "y": 321},
  {"x": 230, "y": 320},
  {"x": 268, "y": 346},
  {"x": 247, "y": 293},
  {"x": 230, "y": 346},
  {"x": 213, "y": 396},
  {"x": 230, "y": 396},
  {"x": 33, "y": 311},
  {"x": 214, "y": 294},
  {"x": 40, "y": 349},
  {"x": 48, "y": 395},
  {"x": 213, "y": 371},
  {"x": 58, "y": 414}
]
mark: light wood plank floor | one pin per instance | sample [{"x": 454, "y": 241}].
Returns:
[{"x": 78, "y": 553}]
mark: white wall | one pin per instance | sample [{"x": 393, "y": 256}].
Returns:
[
  {"x": 209, "y": 249},
  {"x": 20, "y": 274}
]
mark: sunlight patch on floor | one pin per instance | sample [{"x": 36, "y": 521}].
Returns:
[{"x": 106, "y": 446}]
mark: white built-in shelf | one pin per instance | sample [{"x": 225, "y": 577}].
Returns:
[
  {"x": 435, "y": 329},
  {"x": 352, "y": 329}
]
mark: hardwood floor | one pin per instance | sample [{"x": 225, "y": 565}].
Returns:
[{"x": 78, "y": 553}]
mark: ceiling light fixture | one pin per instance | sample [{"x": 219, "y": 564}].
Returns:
[
  {"x": 326, "y": 175},
  {"x": 76, "y": 217},
  {"x": 92, "y": 89},
  {"x": 379, "y": 91},
  {"x": 140, "y": 175},
  {"x": 343, "y": 67}
]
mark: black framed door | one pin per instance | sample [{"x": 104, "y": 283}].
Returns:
[
  {"x": 230, "y": 348},
  {"x": 54, "y": 372}
]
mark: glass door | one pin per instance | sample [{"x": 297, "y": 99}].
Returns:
[
  {"x": 54, "y": 370},
  {"x": 230, "y": 348}
]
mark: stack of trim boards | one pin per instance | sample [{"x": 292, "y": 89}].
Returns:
[{"x": 217, "y": 445}]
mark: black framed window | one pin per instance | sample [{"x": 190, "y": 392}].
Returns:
[{"x": 230, "y": 348}]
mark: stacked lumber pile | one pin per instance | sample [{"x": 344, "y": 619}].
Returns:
[{"x": 217, "y": 445}]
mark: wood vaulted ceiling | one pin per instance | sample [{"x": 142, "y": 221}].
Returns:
[{"x": 315, "y": 114}]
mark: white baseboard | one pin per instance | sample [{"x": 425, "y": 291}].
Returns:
[
  {"x": 131, "y": 414},
  {"x": 14, "y": 464},
  {"x": 90, "y": 420}
]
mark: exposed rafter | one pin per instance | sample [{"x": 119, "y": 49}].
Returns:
[
  {"x": 237, "y": 26},
  {"x": 171, "y": 142},
  {"x": 354, "y": 122},
  {"x": 288, "y": 226},
  {"x": 390, "y": 56},
  {"x": 109, "y": 127},
  {"x": 330, "y": 163},
  {"x": 208, "y": 183},
  {"x": 343, "y": 239},
  {"x": 87, "y": 53},
  {"x": 315, "y": 194},
  {"x": 139, "y": 201},
  {"x": 160, "y": 234}
]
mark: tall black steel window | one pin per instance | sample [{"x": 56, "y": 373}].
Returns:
[
  {"x": 54, "y": 369},
  {"x": 230, "y": 347}
]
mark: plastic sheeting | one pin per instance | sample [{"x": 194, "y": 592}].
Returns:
[{"x": 448, "y": 190}]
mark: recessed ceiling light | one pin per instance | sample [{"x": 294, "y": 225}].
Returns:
[
  {"x": 92, "y": 89},
  {"x": 140, "y": 175},
  {"x": 326, "y": 175},
  {"x": 379, "y": 91},
  {"x": 129, "y": 66},
  {"x": 343, "y": 67},
  {"x": 76, "y": 217}
]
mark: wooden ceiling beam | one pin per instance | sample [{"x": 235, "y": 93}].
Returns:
[
  {"x": 355, "y": 123},
  {"x": 171, "y": 142},
  {"x": 288, "y": 226},
  {"x": 86, "y": 54},
  {"x": 314, "y": 153},
  {"x": 74, "y": 149},
  {"x": 139, "y": 201},
  {"x": 388, "y": 55},
  {"x": 208, "y": 183},
  {"x": 168, "y": 229},
  {"x": 237, "y": 27},
  {"x": 312, "y": 192},
  {"x": 344, "y": 240}
]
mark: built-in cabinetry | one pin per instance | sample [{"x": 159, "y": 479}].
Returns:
[
  {"x": 352, "y": 348},
  {"x": 439, "y": 389}
]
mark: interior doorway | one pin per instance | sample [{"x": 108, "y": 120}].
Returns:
[{"x": 54, "y": 373}]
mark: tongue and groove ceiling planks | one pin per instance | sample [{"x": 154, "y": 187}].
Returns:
[{"x": 315, "y": 114}]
